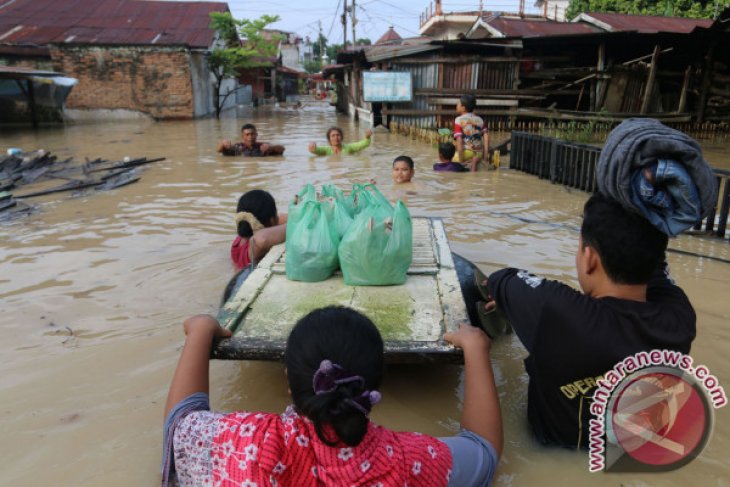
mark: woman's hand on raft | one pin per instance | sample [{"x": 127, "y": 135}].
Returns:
[
  {"x": 205, "y": 324},
  {"x": 312, "y": 147},
  {"x": 368, "y": 133}
]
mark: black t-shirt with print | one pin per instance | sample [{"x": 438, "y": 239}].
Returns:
[{"x": 574, "y": 339}]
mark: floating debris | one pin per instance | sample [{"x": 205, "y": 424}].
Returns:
[{"x": 19, "y": 169}]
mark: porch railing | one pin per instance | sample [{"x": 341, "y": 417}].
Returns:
[{"x": 574, "y": 165}]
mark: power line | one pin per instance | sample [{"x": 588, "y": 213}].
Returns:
[
  {"x": 389, "y": 21},
  {"x": 397, "y": 7},
  {"x": 334, "y": 17}
]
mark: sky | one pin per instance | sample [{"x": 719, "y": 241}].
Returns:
[{"x": 373, "y": 16}]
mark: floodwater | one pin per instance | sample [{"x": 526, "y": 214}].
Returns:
[{"x": 94, "y": 289}]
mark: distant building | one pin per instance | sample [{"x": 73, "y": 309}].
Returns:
[
  {"x": 438, "y": 25},
  {"x": 502, "y": 25},
  {"x": 599, "y": 68},
  {"x": 130, "y": 56},
  {"x": 554, "y": 9},
  {"x": 289, "y": 45},
  {"x": 390, "y": 37}
]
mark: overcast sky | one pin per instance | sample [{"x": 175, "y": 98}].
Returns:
[{"x": 374, "y": 16}]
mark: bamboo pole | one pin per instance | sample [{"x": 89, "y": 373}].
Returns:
[
  {"x": 685, "y": 86},
  {"x": 650, "y": 80},
  {"x": 705, "y": 83}
]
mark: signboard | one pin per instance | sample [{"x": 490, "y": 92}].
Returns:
[{"x": 390, "y": 86}]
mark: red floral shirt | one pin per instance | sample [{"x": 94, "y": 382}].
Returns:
[{"x": 264, "y": 449}]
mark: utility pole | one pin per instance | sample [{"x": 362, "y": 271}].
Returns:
[
  {"x": 344, "y": 25},
  {"x": 354, "y": 21},
  {"x": 321, "y": 47}
]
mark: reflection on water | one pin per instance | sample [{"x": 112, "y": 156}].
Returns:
[{"x": 94, "y": 288}]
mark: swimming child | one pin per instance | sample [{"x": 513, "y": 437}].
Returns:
[
  {"x": 334, "y": 367},
  {"x": 256, "y": 221},
  {"x": 446, "y": 154},
  {"x": 470, "y": 134},
  {"x": 403, "y": 169},
  {"x": 334, "y": 139}
]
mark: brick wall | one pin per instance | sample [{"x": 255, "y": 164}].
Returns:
[
  {"x": 43, "y": 63},
  {"x": 156, "y": 81}
]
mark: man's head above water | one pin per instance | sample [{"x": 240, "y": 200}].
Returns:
[
  {"x": 249, "y": 134},
  {"x": 616, "y": 246}
]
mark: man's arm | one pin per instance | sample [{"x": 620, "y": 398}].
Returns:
[
  {"x": 522, "y": 297},
  {"x": 191, "y": 374},
  {"x": 275, "y": 150},
  {"x": 223, "y": 145}
]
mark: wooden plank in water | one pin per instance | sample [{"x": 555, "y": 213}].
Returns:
[{"x": 411, "y": 317}]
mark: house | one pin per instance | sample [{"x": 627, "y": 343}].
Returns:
[
  {"x": 390, "y": 37},
  {"x": 277, "y": 77},
  {"x": 438, "y": 25},
  {"x": 554, "y": 9},
  {"x": 601, "y": 68},
  {"x": 130, "y": 57}
]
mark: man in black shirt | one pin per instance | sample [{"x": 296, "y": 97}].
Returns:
[{"x": 628, "y": 305}]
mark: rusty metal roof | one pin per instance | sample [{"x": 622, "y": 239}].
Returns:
[
  {"x": 120, "y": 22},
  {"x": 411, "y": 45},
  {"x": 643, "y": 24},
  {"x": 390, "y": 37},
  {"x": 515, "y": 27}
]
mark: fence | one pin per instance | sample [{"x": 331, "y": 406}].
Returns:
[{"x": 574, "y": 165}]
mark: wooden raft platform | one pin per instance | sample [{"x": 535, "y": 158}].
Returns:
[{"x": 411, "y": 317}]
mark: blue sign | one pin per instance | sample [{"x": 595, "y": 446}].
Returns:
[{"x": 390, "y": 86}]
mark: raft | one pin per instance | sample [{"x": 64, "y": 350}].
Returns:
[{"x": 411, "y": 317}]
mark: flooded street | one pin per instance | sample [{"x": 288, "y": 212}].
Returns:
[{"x": 94, "y": 289}]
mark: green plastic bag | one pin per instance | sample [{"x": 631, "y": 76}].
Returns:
[
  {"x": 377, "y": 250},
  {"x": 342, "y": 220},
  {"x": 311, "y": 245},
  {"x": 308, "y": 193},
  {"x": 364, "y": 195}
]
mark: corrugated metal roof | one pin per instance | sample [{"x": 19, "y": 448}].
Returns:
[
  {"x": 127, "y": 22},
  {"x": 511, "y": 27},
  {"x": 645, "y": 24},
  {"x": 408, "y": 47}
]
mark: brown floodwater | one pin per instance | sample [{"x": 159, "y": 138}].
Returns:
[{"x": 94, "y": 289}]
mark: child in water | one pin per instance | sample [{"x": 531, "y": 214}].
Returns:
[
  {"x": 257, "y": 223},
  {"x": 403, "y": 169},
  {"x": 334, "y": 367},
  {"x": 446, "y": 154}
]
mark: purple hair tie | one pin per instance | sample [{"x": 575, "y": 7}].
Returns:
[{"x": 329, "y": 376}]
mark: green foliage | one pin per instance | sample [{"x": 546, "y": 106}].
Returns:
[
  {"x": 242, "y": 45},
  {"x": 319, "y": 46},
  {"x": 313, "y": 66},
  {"x": 674, "y": 8},
  {"x": 335, "y": 48}
]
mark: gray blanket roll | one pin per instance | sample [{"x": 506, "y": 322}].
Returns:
[{"x": 638, "y": 142}]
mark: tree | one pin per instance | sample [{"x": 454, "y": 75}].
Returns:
[
  {"x": 241, "y": 45},
  {"x": 314, "y": 66},
  {"x": 319, "y": 46},
  {"x": 333, "y": 49},
  {"x": 697, "y": 9}
]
